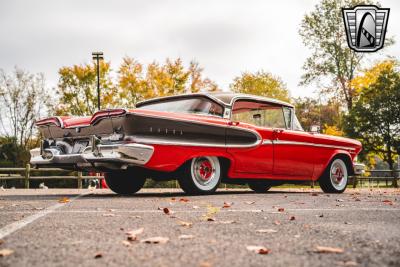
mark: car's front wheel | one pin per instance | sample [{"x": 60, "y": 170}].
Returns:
[
  {"x": 201, "y": 175},
  {"x": 125, "y": 182},
  {"x": 335, "y": 177}
]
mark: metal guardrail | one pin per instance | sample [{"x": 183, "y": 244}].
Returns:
[{"x": 25, "y": 174}]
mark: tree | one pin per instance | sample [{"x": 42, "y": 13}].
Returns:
[
  {"x": 375, "y": 117},
  {"x": 23, "y": 100},
  {"x": 327, "y": 115},
  {"x": 78, "y": 89},
  {"x": 261, "y": 83},
  {"x": 137, "y": 83},
  {"x": 323, "y": 32}
]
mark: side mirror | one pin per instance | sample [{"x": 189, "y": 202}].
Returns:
[{"x": 315, "y": 129}]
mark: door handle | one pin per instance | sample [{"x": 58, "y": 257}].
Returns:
[{"x": 276, "y": 132}]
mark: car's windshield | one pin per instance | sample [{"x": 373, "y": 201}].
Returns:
[{"x": 193, "y": 105}]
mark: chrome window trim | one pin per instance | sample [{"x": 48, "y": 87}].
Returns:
[{"x": 280, "y": 142}]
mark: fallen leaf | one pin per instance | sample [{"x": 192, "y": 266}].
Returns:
[
  {"x": 184, "y": 200},
  {"x": 126, "y": 243},
  {"x": 186, "y": 236},
  {"x": 108, "y": 215},
  {"x": 226, "y": 222},
  {"x": 292, "y": 218},
  {"x": 6, "y": 252},
  {"x": 63, "y": 200},
  {"x": 227, "y": 205},
  {"x": 321, "y": 249},
  {"x": 249, "y": 202},
  {"x": 277, "y": 222},
  {"x": 387, "y": 201},
  {"x": 196, "y": 207},
  {"x": 339, "y": 200},
  {"x": 266, "y": 231},
  {"x": 210, "y": 219},
  {"x": 258, "y": 249},
  {"x": 281, "y": 209},
  {"x": 314, "y": 194},
  {"x": 136, "y": 217},
  {"x": 185, "y": 224},
  {"x": 98, "y": 255},
  {"x": 173, "y": 199},
  {"x": 166, "y": 211},
  {"x": 132, "y": 235},
  {"x": 155, "y": 240},
  {"x": 321, "y": 215}
]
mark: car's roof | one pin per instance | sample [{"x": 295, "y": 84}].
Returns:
[{"x": 225, "y": 98}]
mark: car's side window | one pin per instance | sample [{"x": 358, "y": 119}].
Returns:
[
  {"x": 259, "y": 114},
  {"x": 287, "y": 112}
]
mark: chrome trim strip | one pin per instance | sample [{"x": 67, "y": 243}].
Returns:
[
  {"x": 279, "y": 142},
  {"x": 267, "y": 142},
  {"x": 259, "y": 98},
  {"x": 157, "y": 99},
  {"x": 259, "y": 139},
  {"x": 182, "y": 143}
]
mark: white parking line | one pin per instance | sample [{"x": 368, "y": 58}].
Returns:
[{"x": 15, "y": 226}]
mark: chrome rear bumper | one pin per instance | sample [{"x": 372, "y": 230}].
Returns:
[
  {"x": 359, "y": 168},
  {"x": 127, "y": 154}
]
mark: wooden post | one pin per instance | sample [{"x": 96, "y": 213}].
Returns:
[
  {"x": 354, "y": 181},
  {"x": 27, "y": 175},
  {"x": 80, "y": 180}
]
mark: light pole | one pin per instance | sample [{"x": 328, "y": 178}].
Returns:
[{"x": 98, "y": 56}]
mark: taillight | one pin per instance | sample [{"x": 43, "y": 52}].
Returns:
[
  {"x": 54, "y": 120},
  {"x": 106, "y": 113}
]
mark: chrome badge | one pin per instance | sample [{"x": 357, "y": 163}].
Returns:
[{"x": 365, "y": 27}]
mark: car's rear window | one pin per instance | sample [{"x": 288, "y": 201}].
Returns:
[{"x": 193, "y": 105}]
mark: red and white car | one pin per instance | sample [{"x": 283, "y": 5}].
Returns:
[{"x": 200, "y": 139}]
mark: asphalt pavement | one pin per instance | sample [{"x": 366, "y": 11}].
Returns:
[{"x": 164, "y": 227}]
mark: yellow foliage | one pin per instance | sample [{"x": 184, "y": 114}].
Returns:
[
  {"x": 371, "y": 75},
  {"x": 332, "y": 130}
]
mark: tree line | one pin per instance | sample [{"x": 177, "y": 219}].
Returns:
[{"x": 353, "y": 99}]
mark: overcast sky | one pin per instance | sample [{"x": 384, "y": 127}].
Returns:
[{"x": 225, "y": 37}]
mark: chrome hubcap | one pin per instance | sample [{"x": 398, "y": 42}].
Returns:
[
  {"x": 338, "y": 174},
  {"x": 205, "y": 172}
]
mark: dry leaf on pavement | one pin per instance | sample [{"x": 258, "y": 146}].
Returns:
[
  {"x": 184, "y": 200},
  {"x": 155, "y": 240},
  {"x": 266, "y": 231},
  {"x": 167, "y": 211},
  {"x": 186, "y": 236},
  {"x": 227, "y": 205},
  {"x": 281, "y": 209},
  {"x": 6, "y": 252},
  {"x": 185, "y": 224},
  {"x": 132, "y": 235},
  {"x": 63, "y": 200},
  {"x": 292, "y": 218},
  {"x": 126, "y": 243},
  {"x": 98, "y": 255},
  {"x": 258, "y": 249},
  {"x": 321, "y": 249},
  {"x": 249, "y": 202}
]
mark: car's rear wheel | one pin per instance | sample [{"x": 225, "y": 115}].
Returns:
[
  {"x": 125, "y": 182},
  {"x": 201, "y": 175},
  {"x": 335, "y": 177},
  {"x": 259, "y": 186}
]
